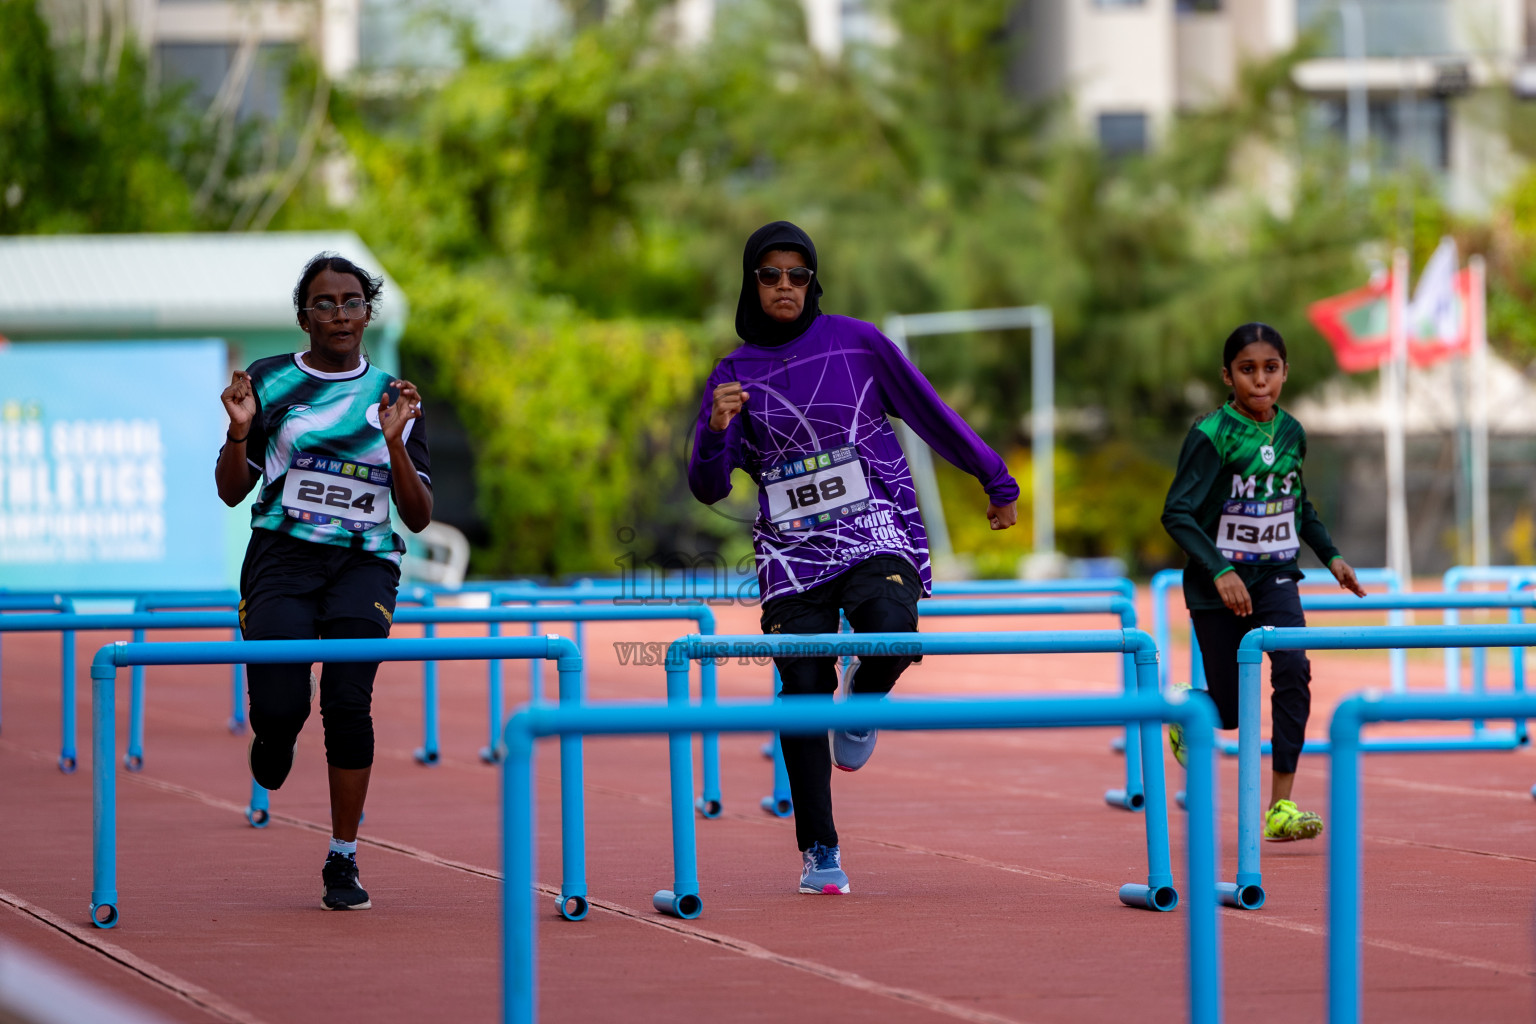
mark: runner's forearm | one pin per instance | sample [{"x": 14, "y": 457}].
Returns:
[
  {"x": 232, "y": 474},
  {"x": 412, "y": 495},
  {"x": 911, "y": 397}
]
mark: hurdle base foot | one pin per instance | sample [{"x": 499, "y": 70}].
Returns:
[
  {"x": 768, "y": 750},
  {"x": 236, "y": 726},
  {"x": 1161, "y": 898},
  {"x": 1249, "y": 896},
  {"x": 491, "y": 755},
  {"x": 424, "y": 756},
  {"x": 258, "y": 817},
  {"x": 1117, "y": 745},
  {"x": 572, "y": 907},
  {"x": 1124, "y": 800},
  {"x": 708, "y": 808},
  {"x": 67, "y": 764},
  {"x": 1178, "y": 798},
  {"x": 133, "y": 762},
  {"x": 104, "y": 915},
  {"x": 685, "y": 905},
  {"x": 781, "y": 806}
]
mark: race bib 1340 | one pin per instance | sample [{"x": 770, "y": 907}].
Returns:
[
  {"x": 817, "y": 489},
  {"x": 1258, "y": 531},
  {"x": 325, "y": 491}
]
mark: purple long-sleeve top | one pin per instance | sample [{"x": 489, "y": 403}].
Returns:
[{"x": 833, "y": 484}]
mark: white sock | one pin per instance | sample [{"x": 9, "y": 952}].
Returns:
[{"x": 346, "y": 849}]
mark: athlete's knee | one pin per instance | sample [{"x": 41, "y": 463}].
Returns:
[
  {"x": 349, "y": 740},
  {"x": 353, "y": 629},
  {"x": 1290, "y": 670},
  {"x": 805, "y": 677},
  {"x": 884, "y": 615},
  {"x": 279, "y": 698}
]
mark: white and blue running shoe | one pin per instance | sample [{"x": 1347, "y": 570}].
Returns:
[
  {"x": 850, "y": 750},
  {"x": 822, "y": 872}
]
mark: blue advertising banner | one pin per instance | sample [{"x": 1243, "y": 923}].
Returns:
[{"x": 106, "y": 465}]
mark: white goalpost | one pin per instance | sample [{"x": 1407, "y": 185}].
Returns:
[{"x": 1037, "y": 319}]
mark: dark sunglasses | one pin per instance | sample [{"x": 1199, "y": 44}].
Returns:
[{"x": 799, "y": 277}]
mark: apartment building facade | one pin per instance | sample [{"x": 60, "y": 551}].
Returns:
[{"x": 1390, "y": 78}]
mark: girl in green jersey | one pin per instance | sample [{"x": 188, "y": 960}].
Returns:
[{"x": 1238, "y": 507}]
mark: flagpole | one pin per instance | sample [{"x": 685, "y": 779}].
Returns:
[
  {"x": 1394, "y": 380},
  {"x": 1478, "y": 328}
]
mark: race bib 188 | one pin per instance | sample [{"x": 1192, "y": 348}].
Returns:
[
  {"x": 816, "y": 489},
  {"x": 324, "y": 491},
  {"x": 1258, "y": 531}
]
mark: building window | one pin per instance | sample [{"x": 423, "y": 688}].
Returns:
[
  {"x": 1396, "y": 28},
  {"x": 1197, "y": 6},
  {"x": 1123, "y": 134},
  {"x": 1405, "y": 131},
  {"x": 1119, "y": 3},
  {"x": 204, "y": 66}
]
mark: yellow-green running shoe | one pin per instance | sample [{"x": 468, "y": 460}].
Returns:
[
  {"x": 1285, "y": 822},
  {"x": 1176, "y": 736}
]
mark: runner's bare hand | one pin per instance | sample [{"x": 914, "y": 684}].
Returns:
[
  {"x": 1234, "y": 594},
  {"x": 1003, "y": 516},
  {"x": 1345, "y": 574},
  {"x": 730, "y": 400},
  {"x": 406, "y": 407},
  {"x": 239, "y": 401}
]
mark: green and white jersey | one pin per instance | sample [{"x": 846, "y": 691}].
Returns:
[
  {"x": 318, "y": 444},
  {"x": 1239, "y": 502}
]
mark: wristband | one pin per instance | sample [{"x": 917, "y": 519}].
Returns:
[
  {"x": 1335, "y": 558},
  {"x": 1230, "y": 568},
  {"x": 236, "y": 440}
]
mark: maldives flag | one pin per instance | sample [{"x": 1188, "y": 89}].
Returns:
[{"x": 1356, "y": 326}]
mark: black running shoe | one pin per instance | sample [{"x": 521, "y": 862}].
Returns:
[
  {"x": 341, "y": 889},
  {"x": 269, "y": 765}
]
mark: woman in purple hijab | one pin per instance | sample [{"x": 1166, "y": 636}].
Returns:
[{"x": 803, "y": 407}]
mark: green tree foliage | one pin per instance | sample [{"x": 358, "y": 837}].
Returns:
[
  {"x": 567, "y": 223},
  {"x": 591, "y": 195}
]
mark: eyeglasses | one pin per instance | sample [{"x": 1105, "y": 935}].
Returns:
[
  {"x": 324, "y": 312},
  {"x": 799, "y": 277}
]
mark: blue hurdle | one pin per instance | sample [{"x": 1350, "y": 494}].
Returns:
[
  {"x": 104, "y": 894},
  {"x": 1167, "y": 579},
  {"x": 1248, "y": 891},
  {"x": 33, "y": 603},
  {"x": 1346, "y": 874},
  {"x": 258, "y": 810},
  {"x": 1130, "y": 798},
  {"x": 519, "y": 995},
  {"x": 1453, "y": 580},
  {"x": 683, "y": 900},
  {"x": 1481, "y": 739},
  {"x": 715, "y": 588},
  {"x": 700, "y": 588},
  {"x": 709, "y": 804}
]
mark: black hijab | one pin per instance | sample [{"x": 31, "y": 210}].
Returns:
[{"x": 755, "y": 326}]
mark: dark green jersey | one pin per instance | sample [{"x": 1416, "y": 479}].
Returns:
[
  {"x": 1238, "y": 501},
  {"x": 317, "y": 442}
]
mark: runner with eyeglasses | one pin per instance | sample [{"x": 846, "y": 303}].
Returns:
[
  {"x": 803, "y": 406},
  {"x": 335, "y": 439}
]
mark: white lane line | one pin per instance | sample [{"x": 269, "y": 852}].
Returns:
[
  {"x": 134, "y": 964},
  {"x": 748, "y": 949},
  {"x": 1441, "y": 955},
  {"x": 1389, "y": 841},
  {"x": 820, "y": 970}
]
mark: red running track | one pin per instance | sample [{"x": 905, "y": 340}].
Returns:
[{"x": 984, "y": 868}]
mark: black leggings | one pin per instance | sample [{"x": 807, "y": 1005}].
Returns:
[
  {"x": 299, "y": 590},
  {"x": 1276, "y": 602},
  {"x": 878, "y": 595}
]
